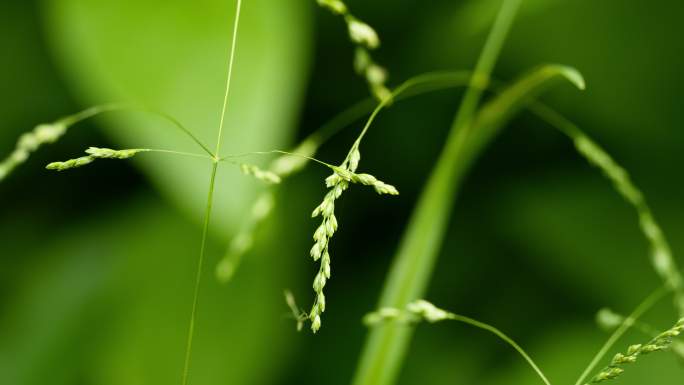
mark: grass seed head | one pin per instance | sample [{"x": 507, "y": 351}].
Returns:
[{"x": 71, "y": 163}]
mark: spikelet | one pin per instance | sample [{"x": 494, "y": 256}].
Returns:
[{"x": 380, "y": 187}]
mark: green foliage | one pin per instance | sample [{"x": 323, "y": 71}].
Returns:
[{"x": 474, "y": 127}]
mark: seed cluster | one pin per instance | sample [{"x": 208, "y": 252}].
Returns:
[
  {"x": 661, "y": 342},
  {"x": 29, "y": 143},
  {"x": 337, "y": 183},
  {"x": 661, "y": 255},
  {"x": 319, "y": 251},
  {"x": 366, "y": 39}
]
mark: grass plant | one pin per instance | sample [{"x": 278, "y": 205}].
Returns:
[{"x": 485, "y": 109}]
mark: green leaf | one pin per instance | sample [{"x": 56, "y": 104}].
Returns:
[
  {"x": 420, "y": 246},
  {"x": 172, "y": 56},
  {"x": 411, "y": 268},
  {"x": 518, "y": 95}
]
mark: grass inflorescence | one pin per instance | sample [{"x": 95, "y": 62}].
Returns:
[
  {"x": 366, "y": 39},
  {"x": 337, "y": 183}
]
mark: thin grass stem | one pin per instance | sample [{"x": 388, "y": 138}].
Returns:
[
  {"x": 504, "y": 337},
  {"x": 231, "y": 60},
  {"x": 198, "y": 276},
  {"x": 385, "y": 347}
]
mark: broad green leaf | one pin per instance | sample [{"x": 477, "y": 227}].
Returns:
[
  {"x": 420, "y": 246},
  {"x": 512, "y": 99},
  {"x": 172, "y": 56},
  {"x": 386, "y": 345}
]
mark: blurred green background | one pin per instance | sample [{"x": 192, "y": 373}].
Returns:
[{"x": 97, "y": 265}]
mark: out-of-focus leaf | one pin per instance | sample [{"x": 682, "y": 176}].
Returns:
[
  {"x": 110, "y": 305},
  {"x": 580, "y": 233},
  {"x": 172, "y": 56}
]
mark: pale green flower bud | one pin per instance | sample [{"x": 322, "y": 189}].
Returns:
[
  {"x": 320, "y": 232},
  {"x": 315, "y": 251},
  {"x": 321, "y": 301}
]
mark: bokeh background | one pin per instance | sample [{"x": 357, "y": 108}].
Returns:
[{"x": 97, "y": 265}]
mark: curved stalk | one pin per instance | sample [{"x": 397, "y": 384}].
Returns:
[{"x": 386, "y": 345}]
